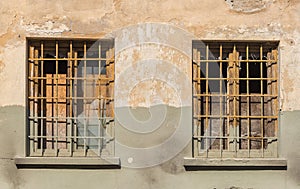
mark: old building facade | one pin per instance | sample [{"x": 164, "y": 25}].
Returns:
[{"x": 149, "y": 94}]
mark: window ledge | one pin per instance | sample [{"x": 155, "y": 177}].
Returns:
[
  {"x": 68, "y": 162},
  {"x": 194, "y": 164}
]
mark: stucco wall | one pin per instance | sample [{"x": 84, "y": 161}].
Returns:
[{"x": 160, "y": 31}]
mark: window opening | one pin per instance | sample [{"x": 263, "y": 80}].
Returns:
[{"x": 235, "y": 99}]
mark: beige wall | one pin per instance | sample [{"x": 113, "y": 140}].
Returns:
[{"x": 143, "y": 31}]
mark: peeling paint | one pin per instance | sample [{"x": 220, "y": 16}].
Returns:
[
  {"x": 248, "y": 6},
  {"x": 1, "y": 64},
  {"x": 49, "y": 27},
  {"x": 270, "y": 31}
]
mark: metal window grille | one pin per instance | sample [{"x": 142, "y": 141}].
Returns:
[
  {"x": 235, "y": 99},
  {"x": 70, "y": 97}
]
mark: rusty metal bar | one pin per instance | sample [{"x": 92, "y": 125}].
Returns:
[
  {"x": 217, "y": 60},
  {"x": 43, "y": 82},
  {"x": 99, "y": 101},
  {"x": 70, "y": 121},
  {"x": 236, "y": 116},
  {"x": 59, "y": 59},
  {"x": 56, "y": 95},
  {"x": 236, "y": 78},
  {"x": 84, "y": 100},
  {"x": 261, "y": 100},
  {"x": 199, "y": 100},
  {"x": 31, "y": 102},
  {"x": 78, "y": 78},
  {"x": 68, "y": 98},
  {"x": 240, "y": 95},
  {"x": 194, "y": 101},
  {"x": 62, "y": 117},
  {"x": 36, "y": 107},
  {"x": 75, "y": 128},
  {"x": 112, "y": 103},
  {"x": 206, "y": 100},
  {"x": 69, "y": 137},
  {"x": 248, "y": 100},
  {"x": 221, "y": 102},
  {"x": 234, "y": 137}
]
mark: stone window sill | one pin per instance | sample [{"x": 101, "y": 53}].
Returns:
[
  {"x": 195, "y": 164},
  {"x": 67, "y": 163}
]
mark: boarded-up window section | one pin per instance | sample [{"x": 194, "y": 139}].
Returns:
[
  {"x": 235, "y": 99},
  {"x": 70, "y": 97}
]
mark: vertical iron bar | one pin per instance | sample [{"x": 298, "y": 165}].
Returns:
[
  {"x": 56, "y": 98},
  {"x": 31, "y": 101},
  {"x": 194, "y": 82},
  {"x": 198, "y": 100},
  {"x": 36, "y": 100},
  {"x": 248, "y": 100},
  {"x": 228, "y": 98},
  {"x": 235, "y": 83},
  {"x": 75, "y": 80},
  {"x": 70, "y": 75},
  {"x": 221, "y": 102},
  {"x": 84, "y": 100},
  {"x": 261, "y": 102},
  {"x": 206, "y": 101},
  {"x": 100, "y": 121},
  {"x": 42, "y": 94}
]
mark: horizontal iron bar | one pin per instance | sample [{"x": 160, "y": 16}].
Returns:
[
  {"x": 64, "y": 98},
  {"x": 224, "y": 137},
  {"x": 73, "y": 59},
  {"x": 73, "y": 78},
  {"x": 239, "y": 95},
  {"x": 233, "y": 116},
  {"x": 216, "y": 60},
  {"x": 230, "y": 78},
  {"x": 69, "y": 137},
  {"x": 32, "y": 117}
]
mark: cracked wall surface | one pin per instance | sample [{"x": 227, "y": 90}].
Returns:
[{"x": 153, "y": 53}]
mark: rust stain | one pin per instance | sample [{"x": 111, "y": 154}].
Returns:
[
  {"x": 6, "y": 37},
  {"x": 117, "y": 4},
  {"x": 1, "y": 65},
  {"x": 135, "y": 56}
]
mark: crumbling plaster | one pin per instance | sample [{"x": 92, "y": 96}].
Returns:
[
  {"x": 247, "y": 6},
  {"x": 205, "y": 20}
]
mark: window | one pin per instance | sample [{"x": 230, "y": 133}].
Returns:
[
  {"x": 235, "y": 99},
  {"x": 70, "y": 97}
]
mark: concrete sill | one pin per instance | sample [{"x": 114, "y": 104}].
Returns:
[
  {"x": 67, "y": 163},
  {"x": 195, "y": 164}
]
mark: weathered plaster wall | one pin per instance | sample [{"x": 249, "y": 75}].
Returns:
[{"x": 169, "y": 52}]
